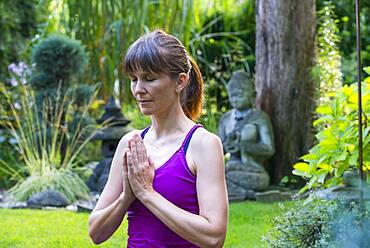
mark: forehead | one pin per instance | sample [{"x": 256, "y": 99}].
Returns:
[{"x": 143, "y": 73}]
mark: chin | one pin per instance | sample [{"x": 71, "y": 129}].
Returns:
[{"x": 145, "y": 111}]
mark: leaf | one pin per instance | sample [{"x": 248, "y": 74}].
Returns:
[
  {"x": 324, "y": 110},
  {"x": 96, "y": 104},
  {"x": 313, "y": 182},
  {"x": 348, "y": 91},
  {"x": 367, "y": 70},
  {"x": 353, "y": 159},
  {"x": 321, "y": 176},
  {"x": 341, "y": 168},
  {"x": 342, "y": 156},
  {"x": 324, "y": 166},
  {"x": 302, "y": 167},
  {"x": 353, "y": 98},
  {"x": 351, "y": 147},
  {"x": 299, "y": 173},
  {"x": 310, "y": 157}
]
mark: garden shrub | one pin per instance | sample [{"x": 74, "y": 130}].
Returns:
[
  {"x": 38, "y": 141},
  {"x": 320, "y": 224},
  {"x": 59, "y": 58},
  {"x": 337, "y": 148},
  {"x": 48, "y": 118}
]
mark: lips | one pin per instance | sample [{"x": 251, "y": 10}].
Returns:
[{"x": 143, "y": 102}]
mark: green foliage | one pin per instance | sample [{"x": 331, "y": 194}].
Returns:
[
  {"x": 57, "y": 59},
  {"x": 107, "y": 28},
  {"x": 337, "y": 149},
  {"x": 48, "y": 151},
  {"x": 345, "y": 10},
  {"x": 320, "y": 224},
  {"x": 327, "y": 71},
  {"x": 225, "y": 43},
  {"x": 18, "y": 22},
  {"x": 138, "y": 120}
]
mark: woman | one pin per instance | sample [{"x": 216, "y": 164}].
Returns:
[{"x": 169, "y": 177}]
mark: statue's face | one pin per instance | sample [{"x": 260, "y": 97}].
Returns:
[{"x": 240, "y": 97}]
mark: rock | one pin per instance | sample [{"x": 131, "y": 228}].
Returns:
[
  {"x": 273, "y": 196},
  {"x": 72, "y": 208},
  {"x": 87, "y": 205},
  {"x": 13, "y": 205},
  {"x": 47, "y": 197}
]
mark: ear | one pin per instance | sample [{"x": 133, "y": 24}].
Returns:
[{"x": 182, "y": 82}]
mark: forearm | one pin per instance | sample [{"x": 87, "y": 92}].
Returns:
[
  {"x": 194, "y": 228},
  {"x": 104, "y": 222}
]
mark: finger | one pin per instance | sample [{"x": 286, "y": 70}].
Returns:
[
  {"x": 150, "y": 161},
  {"x": 141, "y": 150},
  {"x": 133, "y": 151},
  {"x": 129, "y": 162},
  {"x": 125, "y": 151}
]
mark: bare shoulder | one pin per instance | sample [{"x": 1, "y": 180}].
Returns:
[
  {"x": 205, "y": 147},
  {"x": 204, "y": 140}
]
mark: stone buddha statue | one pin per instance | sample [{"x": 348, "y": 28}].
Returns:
[{"x": 246, "y": 134}]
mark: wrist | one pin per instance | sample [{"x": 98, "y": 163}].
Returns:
[
  {"x": 125, "y": 199},
  {"x": 145, "y": 195}
]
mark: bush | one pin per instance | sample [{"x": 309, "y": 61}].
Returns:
[
  {"x": 319, "y": 224},
  {"x": 57, "y": 59},
  {"x": 337, "y": 149},
  {"x": 47, "y": 147}
]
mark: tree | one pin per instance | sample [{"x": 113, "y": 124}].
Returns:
[{"x": 285, "y": 53}]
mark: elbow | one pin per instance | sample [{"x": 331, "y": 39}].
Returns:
[
  {"x": 215, "y": 242},
  {"x": 94, "y": 235},
  {"x": 94, "y": 238}
]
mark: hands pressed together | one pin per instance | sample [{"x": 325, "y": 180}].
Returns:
[{"x": 138, "y": 169}]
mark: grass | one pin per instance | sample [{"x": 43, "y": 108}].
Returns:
[{"x": 248, "y": 222}]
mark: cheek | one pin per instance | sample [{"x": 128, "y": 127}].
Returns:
[{"x": 132, "y": 87}]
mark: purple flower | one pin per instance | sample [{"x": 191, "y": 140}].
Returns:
[
  {"x": 21, "y": 70},
  {"x": 13, "y": 82},
  {"x": 11, "y": 67},
  {"x": 23, "y": 80}
]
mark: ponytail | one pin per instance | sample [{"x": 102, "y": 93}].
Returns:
[{"x": 192, "y": 96}]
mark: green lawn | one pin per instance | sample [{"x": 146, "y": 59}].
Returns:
[{"x": 248, "y": 221}]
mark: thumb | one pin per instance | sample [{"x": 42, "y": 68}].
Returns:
[
  {"x": 125, "y": 160},
  {"x": 150, "y": 161}
]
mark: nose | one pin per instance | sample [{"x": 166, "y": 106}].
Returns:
[{"x": 138, "y": 88}]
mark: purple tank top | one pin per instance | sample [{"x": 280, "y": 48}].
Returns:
[{"x": 174, "y": 181}]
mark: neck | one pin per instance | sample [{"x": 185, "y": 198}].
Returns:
[{"x": 170, "y": 122}]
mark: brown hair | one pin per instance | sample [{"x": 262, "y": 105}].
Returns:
[{"x": 160, "y": 53}]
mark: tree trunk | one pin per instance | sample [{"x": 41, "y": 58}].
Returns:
[{"x": 285, "y": 53}]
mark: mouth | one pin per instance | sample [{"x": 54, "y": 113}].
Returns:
[{"x": 144, "y": 101}]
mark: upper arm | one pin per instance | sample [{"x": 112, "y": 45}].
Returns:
[
  {"x": 207, "y": 154},
  {"x": 113, "y": 188}
]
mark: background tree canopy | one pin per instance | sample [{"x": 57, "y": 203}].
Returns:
[{"x": 220, "y": 35}]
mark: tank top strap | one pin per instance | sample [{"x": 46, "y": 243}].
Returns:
[
  {"x": 185, "y": 143},
  {"x": 144, "y": 132}
]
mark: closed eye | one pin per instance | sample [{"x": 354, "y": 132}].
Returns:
[
  {"x": 133, "y": 79},
  {"x": 149, "y": 79}
]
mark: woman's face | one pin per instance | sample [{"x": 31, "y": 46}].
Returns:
[{"x": 154, "y": 93}]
